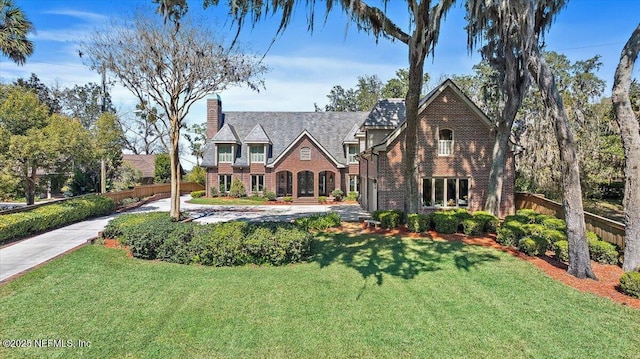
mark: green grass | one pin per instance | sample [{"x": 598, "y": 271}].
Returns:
[
  {"x": 360, "y": 296},
  {"x": 229, "y": 200}
]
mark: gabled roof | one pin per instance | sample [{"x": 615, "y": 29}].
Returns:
[
  {"x": 227, "y": 134},
  {"x": 350, "y": 138},
  {"x": 257, "y": 135},
  {"x": 282, "y": 128},
  {"x": 387, "y": 113},
  {"x": 427, "y": 100},
  {"x": 304, "y": 134}
]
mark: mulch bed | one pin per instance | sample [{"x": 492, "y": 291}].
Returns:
[{"x": 608, "y": 275}]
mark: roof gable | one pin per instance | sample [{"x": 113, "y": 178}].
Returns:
[
  {"x": 304, "y": 134},
  {"x": 427, "y": 100},
  {"x": 387, "y": 113},
  {"x": 257, "y": 135},
  {"x": 227, "y": 134}
]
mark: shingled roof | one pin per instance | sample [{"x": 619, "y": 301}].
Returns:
[
  {"x": 282, "y": 128},
  {"x": 388, "y": 113}
]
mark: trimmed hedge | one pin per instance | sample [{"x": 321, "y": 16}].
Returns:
[
  {"x": 418, "y": 222},
  {"x": 445, "y": 222},
  {"x": 601, "y": 251},
  {"x": 319, "y": 221},
  {"x": 490, "y": 222},
  {"x": 389, "y": 219},
  {"x": 511, "y": 231},
  {"x": 17, "y": 225},
  {"x": 472, "y": 226},
  {"x": 533, "y": 245},
  {"x": 630, "y": 284},
  {"x": 198, "y": 194},
  {"x": 155, "y": 236}
]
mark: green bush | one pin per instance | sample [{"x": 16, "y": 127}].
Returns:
[
  {"x": 22, "y": 224},
  {"x": 146, "y": 239},
  {"x": 554, "y": 235},
  {"x": 472, "y": 226},
  {"x": 338, "y": 194},
  {"x": 287, "y": 199},
  {"x": 322, "y": 199},
  {"x": 391, "y": 219},
  {"x": 198, "y": 194},
  {"x": 630, "y": 284},
  {"x": 176, "y": 246},
  {"x": 118, "y": 225},
  {"x": 489, "y": 221},
  {"x": 533, "y": 245},
  {"x": 603, "y": 252},
  {"x": 555, "y": 223},
  {"x": 526, "y": 215},
  {"x": 445, "y": 222},
  {"x": 591, "y": 237},
  {"x": 352, "y": 196},
  {"x": 213, "y": 192},
  {"x": 237, "y": 188},
  {"x": 510, "y": 232},
  {"x": 561, "y": 249},
  {"x": 418, "y": 223},
  {"x": 270, "y": 196},
  {"x": 319, "y": 221},
  {"x": 533, "y": 229}
]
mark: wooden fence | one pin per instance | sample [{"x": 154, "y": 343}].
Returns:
[
  {"x": 608, "y": 230},
  {"x": 152, "y": 189}
]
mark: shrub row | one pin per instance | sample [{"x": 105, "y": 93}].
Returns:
[
  {"x": 22, "y": 224},
  {"x": 630, "y": 284},
  {"x": 389, "y": 219},
  {"x": 198, "y": 194},
  {"x": 319, "y": 221},
  {"x": 155, "y": 236},
  {"x": 535, "y": 233},
  {"x": 449, "y": 221}
]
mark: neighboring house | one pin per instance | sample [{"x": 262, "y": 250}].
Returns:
[
  {"x": 308, "y": 154},
  {"x": 143, "y": 163}
]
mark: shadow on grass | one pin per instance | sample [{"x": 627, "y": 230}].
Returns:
[{"x": 376, "y": 255}]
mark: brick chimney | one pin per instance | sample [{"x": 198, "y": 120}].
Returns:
[{"x": 214, "y": 116}]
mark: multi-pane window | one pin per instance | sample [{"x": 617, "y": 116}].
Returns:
[
  {"x": 257, "y": 183},
  {"x": 445, "y": 192},
  {"x": 353, "y": 183},
  {"x": 305, "y": 154},
  {"x": 225, "y": 154},
  {"x": 257, "y": 154},
  {"x": 224, "y": 183},
  {"x": 445, "y": 142},
  {"x": 353, "y": 152}
]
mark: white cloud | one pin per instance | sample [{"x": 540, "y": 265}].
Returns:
[{"x": 82, "y": 15}]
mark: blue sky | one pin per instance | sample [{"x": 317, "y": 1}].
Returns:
[{"x": 304, "y": 66}]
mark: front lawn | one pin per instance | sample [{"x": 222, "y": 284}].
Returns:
[
  {"x": 229, "y": 200},
  {"x": 359, "y": 296}
]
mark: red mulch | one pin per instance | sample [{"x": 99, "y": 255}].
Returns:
[
  {"x": 608, "y": 275},
  {"x": 113, "y": 243}
]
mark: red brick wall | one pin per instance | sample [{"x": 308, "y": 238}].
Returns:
[
  {"x": 472, "y": 153},
  {"x": 214, "y": 112}
]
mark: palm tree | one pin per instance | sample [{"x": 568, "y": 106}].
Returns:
[
  {"x": 514, "y": 28},
  {"x": 14, "y": 27},
  {"x": 630, "y": 132}
]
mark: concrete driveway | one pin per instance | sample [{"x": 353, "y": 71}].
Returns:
[{"x": 26, "y": 254}]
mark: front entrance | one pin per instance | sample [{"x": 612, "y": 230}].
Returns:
[
  {"x": 285, "y": 184},
  {"x": 326, "y": 183},
  {"x": 305, "y": 184}
]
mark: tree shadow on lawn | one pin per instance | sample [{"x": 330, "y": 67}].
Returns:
[{"x": 378, "y": 255}]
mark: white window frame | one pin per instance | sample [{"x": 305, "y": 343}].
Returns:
[
  {"x": 445, "y": 147},
  {"x": 224, "y": 157},
  {"x": 258, "y": 156},
  {"x": 305, "y": 154},
  {"x": 351, "y": 157},
  {"x": 224, "y": 179},
  {"x": 353, "y": 188},
  {"x": 458, "y": 202},
  {"x": 259, "y": 179}
]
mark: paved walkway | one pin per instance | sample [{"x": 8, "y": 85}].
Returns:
[{"x": 26, "y": 254}]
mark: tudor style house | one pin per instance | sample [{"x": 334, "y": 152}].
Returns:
[{"x": 309, "y": 154}]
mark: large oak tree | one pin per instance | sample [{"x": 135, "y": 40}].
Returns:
[{"x": 170, "y": 67}]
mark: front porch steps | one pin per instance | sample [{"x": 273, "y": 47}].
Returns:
[{"x": 305, "y": 200}]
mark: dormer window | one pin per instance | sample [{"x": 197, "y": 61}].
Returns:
[
  {"x": 305, "y": 154},
  {"x": 257, "y": 153},
  {"x": 445, "y": 143},
  {"x": 225, "y": 154},
  {"x": 353, "y": 152}
]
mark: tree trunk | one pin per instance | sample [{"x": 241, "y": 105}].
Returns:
[
  {"x": 498, "y": 164},
  {"x": 630, "y": 133},
  {"x": 417, "y": 54},
  {"x": 579, "y": 261},
  {"x": 175, "y": 173},
  {"x": 30, "y": 185}
]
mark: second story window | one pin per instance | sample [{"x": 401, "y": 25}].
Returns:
[
  {"x": 445, "y": 142},
  {"x": 353, "y": 152},
  {"x": 305, "y": 154},
  {"x": 257, "y": 154},
  {"x": 225, "y": 154}
]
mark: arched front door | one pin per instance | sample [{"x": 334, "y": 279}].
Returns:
[
  {"x": 305, "y": 184},
  {"x": 326, "y": 183},
  {"x": 285, "y": 183}
]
